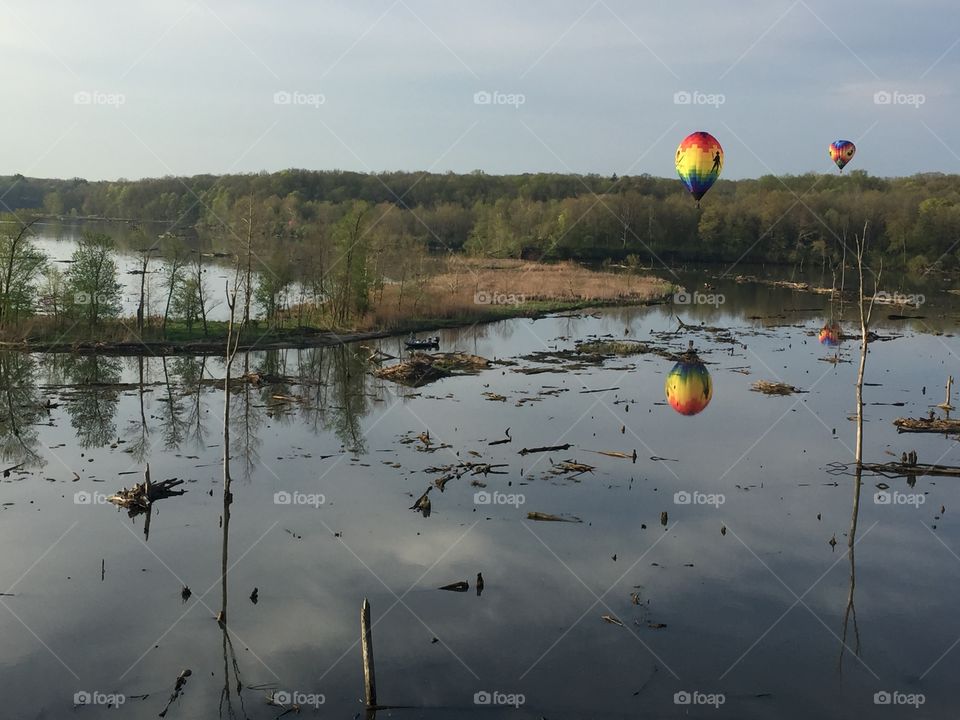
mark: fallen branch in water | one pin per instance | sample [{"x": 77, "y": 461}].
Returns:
[
  {"x": 177, "y": 690},
  {"x": 545, "y": 448},
  {"x": 507, "y": 439}
]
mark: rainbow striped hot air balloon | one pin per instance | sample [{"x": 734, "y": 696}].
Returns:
[
  {"x": 841, "y": 152},
  {"x": 699, "y": 162},
  {"x": 688, "y": 387}
]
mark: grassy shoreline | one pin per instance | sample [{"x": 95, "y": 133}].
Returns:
[{"x": 302, "y": 337}]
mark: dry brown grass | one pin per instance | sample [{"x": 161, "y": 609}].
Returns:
[{"x": 468, "y": 288}]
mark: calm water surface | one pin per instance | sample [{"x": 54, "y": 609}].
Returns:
[{"x": 740, "y": 603}]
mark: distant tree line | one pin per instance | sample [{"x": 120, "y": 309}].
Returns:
[{"x": 298, "y": 221}]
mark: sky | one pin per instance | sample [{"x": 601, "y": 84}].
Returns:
[{"x": 108, "y": 89}]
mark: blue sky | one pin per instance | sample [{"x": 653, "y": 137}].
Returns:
[{"x": 107, "y": 89}]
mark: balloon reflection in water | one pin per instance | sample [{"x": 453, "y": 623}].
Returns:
[
  {"x": 688, "y": 387},
  {"x": 830, "y": 335}
]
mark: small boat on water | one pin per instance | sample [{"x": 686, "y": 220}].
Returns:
[{"x": 415, "y": 343}]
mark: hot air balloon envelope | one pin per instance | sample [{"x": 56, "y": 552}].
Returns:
[
  {"x": 688, "y": 387},
  {"x": 841, "y": 152},
  {"x": 830, "y": 335},
  {"x": 699, "y": 162}
]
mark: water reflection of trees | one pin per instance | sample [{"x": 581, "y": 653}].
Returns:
[
  {"x": 21, "y": 409},
  {"x": 92, "y": 405},
  {"x": 332, "y": 385},
  {"x": 138, "y": 433}
]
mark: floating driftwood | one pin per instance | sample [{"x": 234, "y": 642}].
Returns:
[
  {"x": 617, "y": 454},
  {"x": 547, "y": 517},
  {"x": 774, "y": 388},
  {"x": 424, "y": 368},
  {"x": 544, "y": 448},
  {"x": 461, "y": 586},
  {"x": 900, "y": 469},
  {"x": 928, "y": 425},
  {"x": 451, "y": 472},
  {"x": 141, "y": 496},
  {"x": 787, "y": 285},
  {"x": 504, "y": 440}
]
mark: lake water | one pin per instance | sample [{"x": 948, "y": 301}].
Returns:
[
  {"x": 736, "y": 604},
  {"x": 59, "y": 240}
]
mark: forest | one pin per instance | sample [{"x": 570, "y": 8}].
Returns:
[
  {"x": 350, "y": 251},
  {"x": 914, "y": 221}
]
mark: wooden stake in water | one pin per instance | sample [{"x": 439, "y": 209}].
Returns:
[
  {"x": 946, "y": 404},
  {"x": 366, "y": 640}
]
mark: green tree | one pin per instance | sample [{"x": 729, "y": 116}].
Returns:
[
  {"x": 92, "y": 278},
  {"x": 186, "y": 301},
  {"x": 21, "y": 264}
]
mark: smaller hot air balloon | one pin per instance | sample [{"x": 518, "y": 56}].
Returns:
[
  {"x": 830, "y": 335},
  {"x": 688, "y": 386},
  {"x": 842, "y": 152},
  {"x": 699, "y": 161}
]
